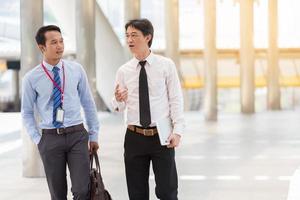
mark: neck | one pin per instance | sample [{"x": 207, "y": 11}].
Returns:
[
  {"x": 52, "y": 62},
  {"x": 142, "y": 55}
]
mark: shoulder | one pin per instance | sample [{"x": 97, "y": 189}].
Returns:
[
  {"x": 31, "y": 74},
  {"x": 162, "y": 59},
  {"x": 126, "y": 66},
  {"x": 75, "y": 69},
  {"x": 72, "y": 65}
]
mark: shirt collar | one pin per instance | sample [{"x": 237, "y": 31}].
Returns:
[
  {"x": 149, "y": 59},
  {"x": 50, "y": 67}
]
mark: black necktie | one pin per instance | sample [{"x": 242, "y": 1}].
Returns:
[{"x": 145, "y": 116}]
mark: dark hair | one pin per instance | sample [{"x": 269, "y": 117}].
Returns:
[
  {"x": 40, "y": 35},
  {"x": 143, "y": 25}
]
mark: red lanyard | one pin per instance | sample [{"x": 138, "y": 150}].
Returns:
[{"x": 55, "y": 84}]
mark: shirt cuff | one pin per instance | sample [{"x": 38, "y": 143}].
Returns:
[
  {"x": 93, "y": 137},
  {"x": 37, "y": 139},
  {"x": 118, "y": 106},
  {"x": 178, "y": 129}
]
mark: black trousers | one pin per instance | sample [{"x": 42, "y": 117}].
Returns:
[
  {"x": 59, "y": 151},
  {"x": 140, "y": 150}
]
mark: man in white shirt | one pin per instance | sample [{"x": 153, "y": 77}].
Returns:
[{"x": 148, "y": 89}]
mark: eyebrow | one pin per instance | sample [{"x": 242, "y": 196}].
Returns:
[
  {"x": 54, "y": 40},
  {"x": 131, "y": 32}
]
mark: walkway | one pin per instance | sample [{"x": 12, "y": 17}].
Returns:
[{"x": 239, "y": 158}]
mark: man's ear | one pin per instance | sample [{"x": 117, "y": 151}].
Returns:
[
  {"x": 42, "y": 48},
  {"x": 148, "y": 37}
]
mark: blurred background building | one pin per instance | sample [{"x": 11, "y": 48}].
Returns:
[{"x": 191, "y": 44}]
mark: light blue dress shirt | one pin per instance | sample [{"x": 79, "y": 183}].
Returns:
[{"x": 37, "y": 99}]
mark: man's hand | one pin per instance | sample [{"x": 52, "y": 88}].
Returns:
[
  {"x": 174, "y": 140},
  {"x": 121, "y": 94},
  {"x": 93, "y": 147}
]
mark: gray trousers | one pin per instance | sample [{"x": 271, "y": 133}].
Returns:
[{"x": 68, "y": 149}]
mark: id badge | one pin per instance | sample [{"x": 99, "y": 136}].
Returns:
[{"x": 60, "y": 115}]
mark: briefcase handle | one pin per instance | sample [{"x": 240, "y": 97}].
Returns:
[{"x": 93, "y": 156}]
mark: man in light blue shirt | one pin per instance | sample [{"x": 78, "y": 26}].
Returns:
[{"x": 55, "y": 90}]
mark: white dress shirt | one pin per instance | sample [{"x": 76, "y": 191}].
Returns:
[{"x": 165, "y": 95}]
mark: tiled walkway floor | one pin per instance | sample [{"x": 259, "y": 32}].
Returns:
[{"x": 241, "y": 157}]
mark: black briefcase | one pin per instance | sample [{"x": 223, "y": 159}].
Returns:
[{"x": 97, "y": 189}]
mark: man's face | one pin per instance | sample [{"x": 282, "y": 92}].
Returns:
[
  {"x": 54, "y": 45},
  {"x": 136, "y": 41}
]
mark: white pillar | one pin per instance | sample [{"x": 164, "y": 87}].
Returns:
[
  {"x": 273, "y": 68},
  {"x": 85, "y": 43},
  {"x": 247, "y": 57},
  {"x": 210, "y": 61},
  {"x": 132, "y": 10},
  {"x": 31, "y": 14},
  {"x": 172, "y": 32}
]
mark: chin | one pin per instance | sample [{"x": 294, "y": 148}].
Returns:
[
  {"x": 132, "y": 50},
  {"x": 59, "y": 57}
]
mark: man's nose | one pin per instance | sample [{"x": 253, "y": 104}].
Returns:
[
  {"x": 60, "y": 45},
  {"x": 129, "y": 39}
]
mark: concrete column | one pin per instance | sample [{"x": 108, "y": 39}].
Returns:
[
  {"x": 273, "y": 68},
  {"x": 172, "y": 32},
  {"x": 247, "y": 57},
  {"x": 132, "y": 10},
  {"x": 210, "y": 61},
  {"x": 31, "y": 19},
  {"x": 85, "y": 43},
  {"x": 16, "y": 80}
]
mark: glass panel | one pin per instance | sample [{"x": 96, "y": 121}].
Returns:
[
  {"x": 228, "y": 24},
  {"x": 114, "y": 11},
  {"x": 154, "y": 11},
  {"x": 288, "y": 23},
  {"x": 191, "y": 24},
  {"x": 261, "y": 24}
]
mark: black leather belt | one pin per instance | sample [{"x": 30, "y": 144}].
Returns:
[
  {"x": 144, "y": 131},
  {"x": 69, "y": 129}
]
